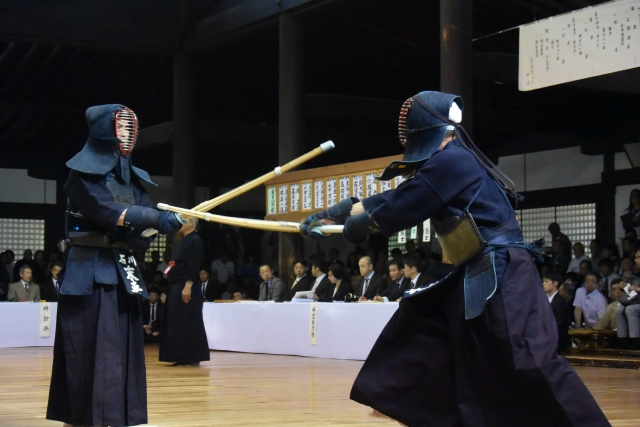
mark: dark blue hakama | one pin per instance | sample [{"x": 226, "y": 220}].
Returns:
[{"x": 433, "y": 367}]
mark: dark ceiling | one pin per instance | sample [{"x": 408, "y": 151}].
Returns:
[{"x": 59, "y": 57}]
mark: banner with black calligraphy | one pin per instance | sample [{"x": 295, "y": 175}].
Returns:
[
  {"x": 45, "y": 320},
  {"x": 585, "y": 43}
]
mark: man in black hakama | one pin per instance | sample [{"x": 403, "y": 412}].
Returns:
[
  {"x": 98, "y": 376},
  {"x": 476, "y": 348},
  {"x": 183, "y": 340}
]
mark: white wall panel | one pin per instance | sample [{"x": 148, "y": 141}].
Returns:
[
  {"x": 566, "y": 167},
  {"x": 513, "y": 167}
]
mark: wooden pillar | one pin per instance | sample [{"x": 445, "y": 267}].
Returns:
[
  {"x": 606, "y": 202},
  {"x": 184, "y": 137},
  {"x": 291, "y": 119},
  {"x": 456, "y": 54}
]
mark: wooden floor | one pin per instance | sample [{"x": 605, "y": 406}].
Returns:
[{"x": 237, "y": 389}]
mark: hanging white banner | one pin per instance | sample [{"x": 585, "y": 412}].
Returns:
[
  {"x": 312, "y": 324},
  {"x": 414, "y": 232},
  {"x": 45, "y": 320},
  {"x": 402, "y": 236},
  {"x": 586, "y": 43},
  {"x": 426, "y": 230}
]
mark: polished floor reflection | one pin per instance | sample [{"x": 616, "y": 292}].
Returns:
[{"x": 237, "y": 389}]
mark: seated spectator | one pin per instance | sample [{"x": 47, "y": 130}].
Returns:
[
  {"x": 50, "y": 288},
  {"x": 596, "y": 251},
  {"x": 560, "y": 260},
  {"x": 159, "y": 281},
  {"x": 589, "y": 304},
  {"x": 586, "y": 267},
  {"x": 628, "y": 320},
  {"x": 371, "y": 284},
  {"x": 8, "y": 263},
  {"x": 556, "y": 235},
  {"x": 251, "y": 289},
  {"x": 271, "y": 288},
  {"x": 335, "y": 289},
  {"x": 250, "y": 268},
  {"x": 559, "y": 306},
  {"x": 152, "y": 316},
  {"x": 302, "y": 281},
  {"x": 629, "y": 245},
  {"x": 40, "y": 273},
  {"x": 631, "y": 218},
  {"x": 381, "y": 269},
  {"x": 24, "y": 290},
  {"x": 410, "y": 246},
  {"x": 579, "y": 256},
  {"x": 211, "y": 290},
  {"x": 608, "y": 321},
  {"x": 224, "y": 268},
  {"x": 352, "y": 263},
  {"x": 567, "y": 292},
  {"x": 626, "y": 265},
  {"x": 334, "y": 257},
  {"x": 413, "y": 270},
  {"x": 238, "y": 296},
  {"x": 27, "y": 259},
  {"x": 396, "y": 254},
  {"x": 608, "y": 275},
  {"x": 397, "y": 286}
]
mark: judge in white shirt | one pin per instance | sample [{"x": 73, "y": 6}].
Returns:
[{"x": 152, "y": 316}]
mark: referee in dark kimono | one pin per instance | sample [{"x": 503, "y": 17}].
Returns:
[
  {"x": 476, "y": 348},
  {"x": 183, "y": 339},
  {"x": 98, "y": 376}
]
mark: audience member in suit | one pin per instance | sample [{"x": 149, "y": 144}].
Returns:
[
  {"x": 341, "y": 288},
  {"x": 334, "y": 255},
  {"x": 559, "y": 306},
  {"x": 50, "y": 288},
  {"x": 413, "y": 270},
  {"x": 319, "y": 270},
  {"x": 371, "y": 284},
  {"x": 211, "y": 289},
  {"x": 24, "y": 290},
  {"x": 271, "y": 288},
  {"x": 397, "y": 286},
  {"x": 27, "y": 259},
  {"x": 302, "y": 281},
  {"x": 152, "y": 316}
]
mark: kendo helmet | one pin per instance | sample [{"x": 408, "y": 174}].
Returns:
[
  {"x": 113, "y": 132},
  {"x": 425, "y": 120}
]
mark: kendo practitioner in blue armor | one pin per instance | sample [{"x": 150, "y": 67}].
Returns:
[
  {"x": 476, "y": 348},
  {"x": 98, "y": 376}
]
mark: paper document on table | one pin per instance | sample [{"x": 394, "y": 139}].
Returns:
[{"x": 303, "y": 296}]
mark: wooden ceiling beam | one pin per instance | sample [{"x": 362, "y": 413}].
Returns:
[{"x": 227, "y": 20}]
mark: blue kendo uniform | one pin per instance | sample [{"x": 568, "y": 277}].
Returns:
[
  {"x": 98, "y": 375},
  {"x": 477, "y": 348}
]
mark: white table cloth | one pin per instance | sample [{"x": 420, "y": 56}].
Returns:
[
  {"x": 343, "y": 331},
  {"x": 20, "y": 325}
]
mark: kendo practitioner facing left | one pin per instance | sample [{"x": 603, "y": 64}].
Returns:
[
  {"x": 476, "y": 348},
  {"x": 98, "y": 376}
]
